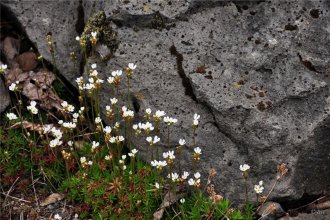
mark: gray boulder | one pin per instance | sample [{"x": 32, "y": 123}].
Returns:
[{"x": 257, "y": 72}]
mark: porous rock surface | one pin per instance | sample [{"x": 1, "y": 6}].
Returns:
[{"x": 257, "y": 72}]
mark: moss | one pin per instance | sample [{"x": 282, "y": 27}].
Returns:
[{"x": 106, "y": 35}]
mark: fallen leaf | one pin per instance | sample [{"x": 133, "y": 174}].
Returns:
[
  {"x": 30, "y": 126},
  {"x": 169, "y": 199},
  {"x": 10, "y": 47},
  {"x": 15, "y": 74},
  {"x": 27, "y": 61},
  {"x": 55, "y": 197}
]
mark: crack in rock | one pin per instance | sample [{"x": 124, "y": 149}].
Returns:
[{"x": 185, "y": 80}]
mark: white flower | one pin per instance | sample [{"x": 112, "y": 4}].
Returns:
[
  {"x": 77, "y": 38},
  {"x": 67, "y": 107},
  {"x": 121, "y": 138},
  {"x": 3, "y": 67},
  {"x": 128, "y": 114},
  {"x": 148, "y": 126},
  {"x": 94, "y": 73},
  {"x": 57, "y": 132},
  {"x": 98, "y": 120},
  {"x": 159, "y": 114},
  {"x": 60, "y": 122},
  {"x": 132, "y": 153},
  {"x": 107, "y": 157},
  {"x": 149, "y": 139},
  {"x": 95, "y": 144},
  {"x": 70, "y": 143},
  {"x": 244, "y": 167},
  {"x": 259, "y": 188},
  {"x": 116, "y": 73},
  {"x": 148, "y": 111},
  {"x": 154, "y": 141},
  {"x": 11, "y": 116},
  {"x": 157, "y": 185},
  {"x": 47, "y": 129},
  {"x": 94, "y": 34},
  {"x": 113, "y": 101},
  {"x": 197, "y": 175},
  {"x": 169, "y": 120},
  {"x": 32, "y": 108},
  {"x": 195, "y": 121},
  {"x": 55, "y": 142},
  {"x": 81, "y": 110},
  {"x": 94, "y": 65},
  {"x": 182, "y": 200},
  {"x": 13, "y": 87},
  {"x": 111, "y": 79},
  {"x": 82, "y": 159},
  {"x": 173, "y": 176},
  {"x": 191, "y": 182},
  {"x": 169, "y": 155},
  {"x": 123, "y": 157},
  {"x": 57, "y": 217},
  {"x": 90, "y": 163},
  {"x": 185, "y": 175},
  {"x": 132, "y": 66},
  {"x": 196, "y": 116},
  {"x": 69, "y": 125},
  {"x": 198, "y": 150},
  {"x": 107, "y": 130},
  {"x": 99, "y": 81},
  {"x": 182, "y": 142},
  {"x": 135, "y": 127},
  {"x": 158, "y": 164},
  {"x": 89, "y": 86},
  {"x": 75, "y": 115}
]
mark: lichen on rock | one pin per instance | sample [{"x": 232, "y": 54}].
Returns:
[{"x": 105, "y": 34}]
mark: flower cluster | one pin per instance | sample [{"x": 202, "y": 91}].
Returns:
[
  {"x": 153, "y": 141},
  {"x": 159, "y": 164},
  {"x": 67, "y": 107},
  {"x": 169, "y": 121},
  {"x": 169, "y": 156},
  {"x": 133, "y": 153},
  {"x": 114, "y": 79},
  {"x": 195, "y": 121},
  {"x": 197, "y": 153},
  {"x": 129, "y": 70},
  {"x": 13, "y": 87},
  {"x": 57, "y": 133},
  {"x": 11, "y": 116},
  {"x": 127, "y": 114},
  {"x": 196, "y": 181},
  {"x": 259, "y": 188}
]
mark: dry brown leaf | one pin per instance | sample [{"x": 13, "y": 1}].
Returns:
[
  {"x": 27, "y": 61},
  {"x": 10, "y": 47},
  {"x": 30, "y": 126},
  {"x": 55, "y": 197},
  {"x": 15, "y": 74},
  {"x": 43, "y": 78},
  {"x": 169, "y": 199}
]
